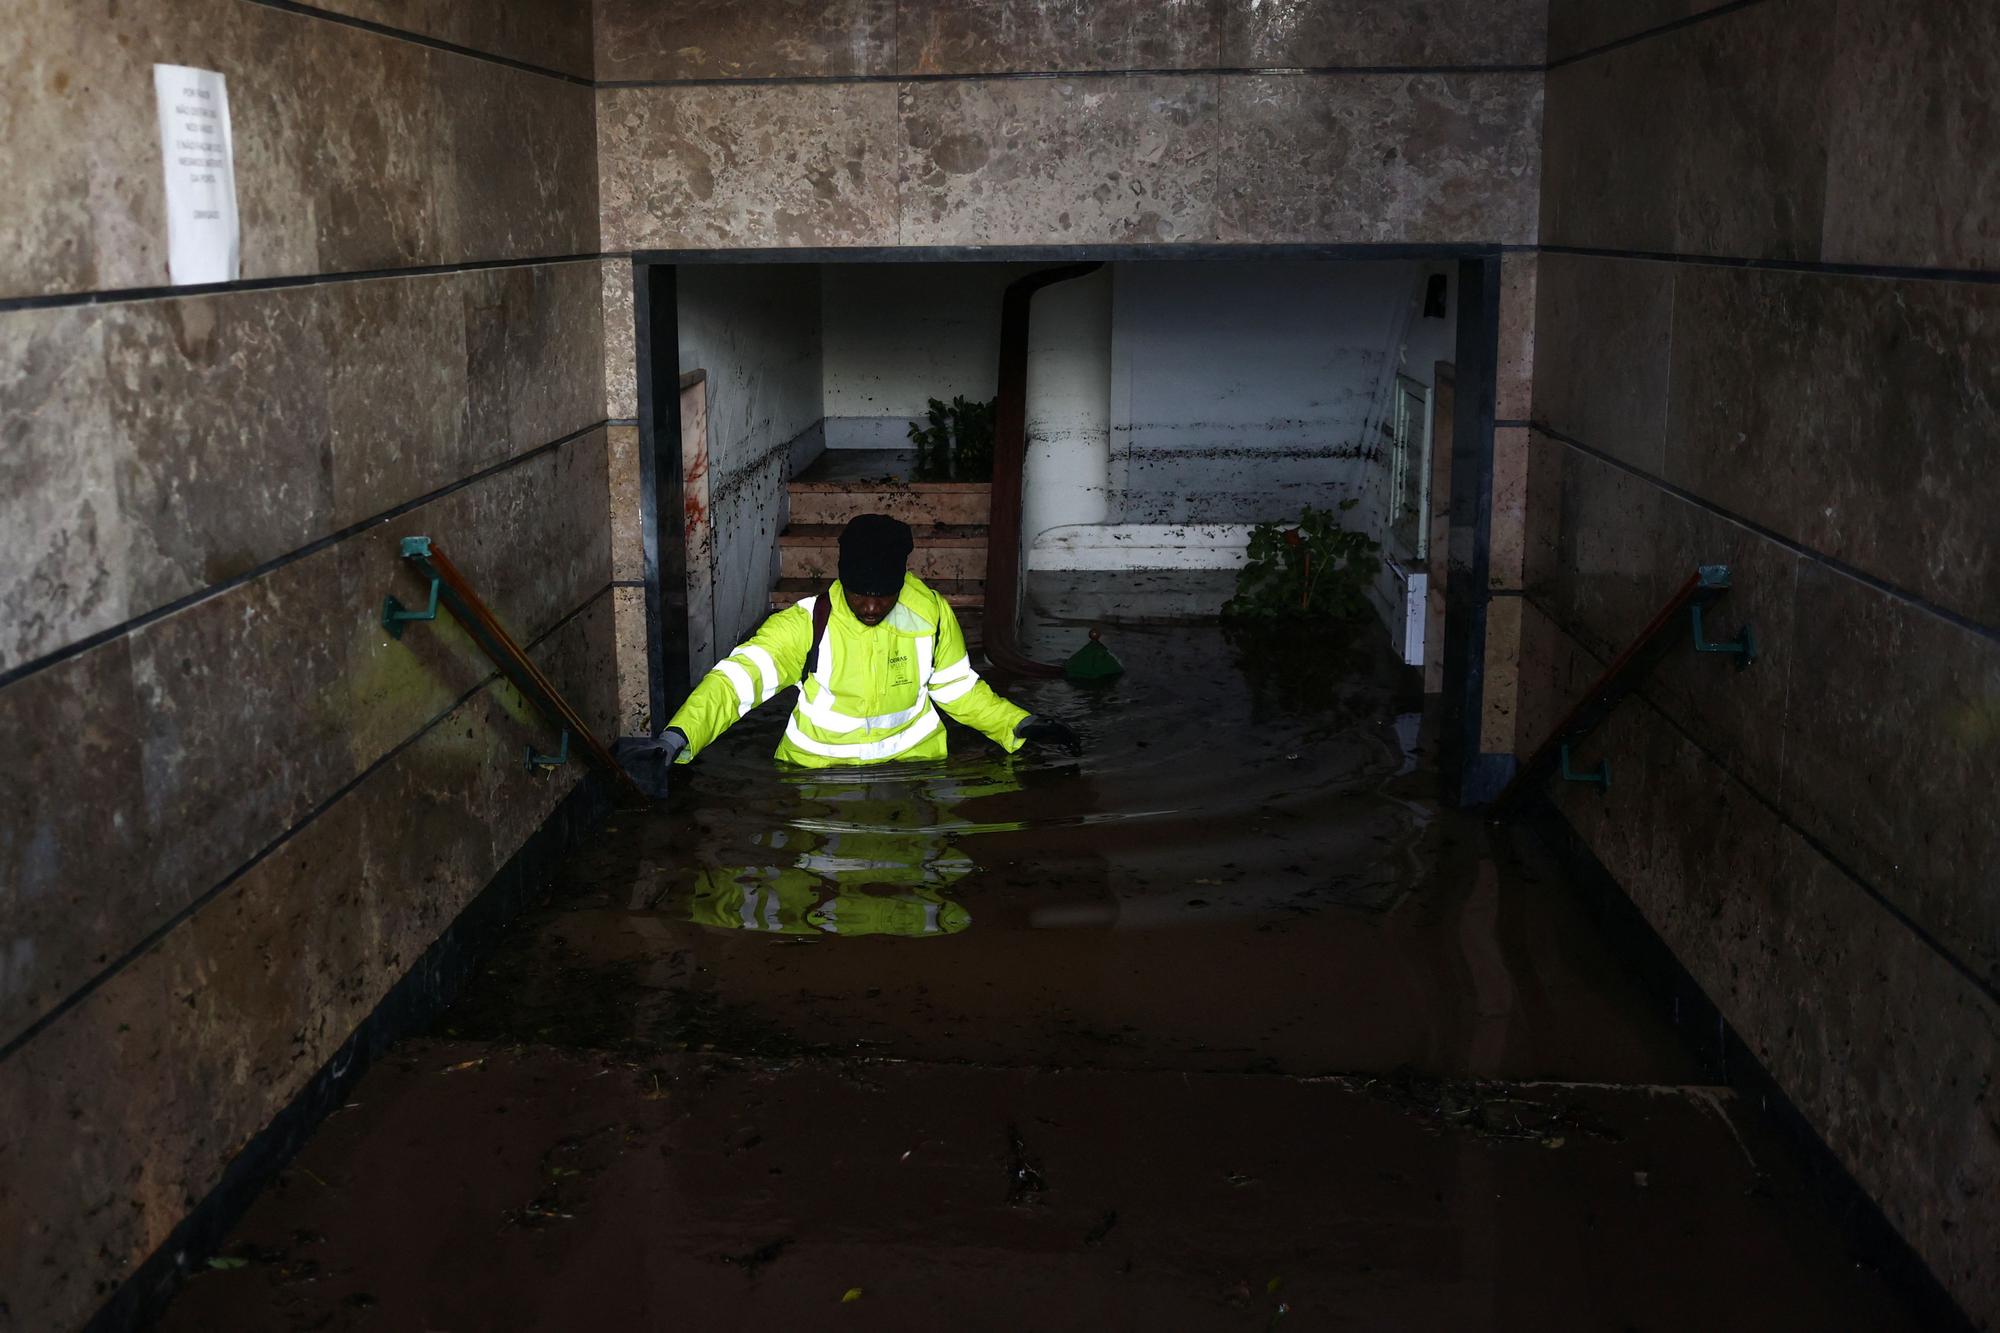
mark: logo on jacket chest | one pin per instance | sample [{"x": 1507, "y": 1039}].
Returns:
[{"x": 902, "y": 667}]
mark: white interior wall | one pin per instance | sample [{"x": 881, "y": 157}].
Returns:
[
  {"x": 1244, "y": 390},
  {"x": 897, "y": 335},
  {"x": 756, "y": 330}
]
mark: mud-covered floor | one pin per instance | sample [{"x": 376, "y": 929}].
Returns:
[{"x": 1223, "y": 1025}]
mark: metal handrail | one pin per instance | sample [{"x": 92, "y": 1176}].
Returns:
[
  {"x": 1654, "y": 642},
  {"x": 449, "y": 586}
]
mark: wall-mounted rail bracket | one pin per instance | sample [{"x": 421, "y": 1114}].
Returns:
[
  {"x": 451, "y": 591},
  {"x": 1744, "y": 645},
  {"x": 1660, "y": 636},
  {"x": 394, "y": 614},
  {"x": 538, "y": 763},
  {"x": 1600, "y": 776}
]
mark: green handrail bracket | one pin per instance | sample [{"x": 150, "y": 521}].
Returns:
[
  {"x": 1743, "y": 646},
  {"x": 395, "y": 615},
  {"x": 537, "y": 763},
  {"x": 1600, "y": 776}
]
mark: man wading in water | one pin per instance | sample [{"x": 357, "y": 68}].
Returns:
[{"x": 875, "y": 657}]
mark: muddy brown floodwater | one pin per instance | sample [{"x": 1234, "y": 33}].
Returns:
[{"x": 1225, "y": 1024}]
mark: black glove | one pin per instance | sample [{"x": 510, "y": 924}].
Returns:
[
  {"x": 647, "y": 759},
  {"x": 1048, "y": 731}
]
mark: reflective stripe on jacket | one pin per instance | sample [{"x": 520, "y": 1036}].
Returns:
[{"x": 872, "y": 695}]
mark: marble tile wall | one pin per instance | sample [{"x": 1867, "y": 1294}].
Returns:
[
  {"x": 159, "y": 1076},
  {"x": 548, "y": 34},
  {"x": 354, "y": 151},
  {"x": 290, "y": 673},
  {"x": 1876, "y": 1038},
  {"x": 1124, "y": 160},
  {"x": 238, "y": 811},
  {"x": 155, "y": 448},
  {"x": 1161, "y": 130},
  {"x": 658, "y": 40},
  {"x": 1812, "y": 835}
]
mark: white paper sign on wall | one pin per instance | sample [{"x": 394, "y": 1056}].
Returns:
[{"x": 203, "y": 238}]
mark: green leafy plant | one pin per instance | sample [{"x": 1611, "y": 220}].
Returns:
[
  {"x": 1314, "y": 570},
  {"x": 957, "y": 444}
]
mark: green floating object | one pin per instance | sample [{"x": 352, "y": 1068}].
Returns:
[{"x": 1093, "y": 661}]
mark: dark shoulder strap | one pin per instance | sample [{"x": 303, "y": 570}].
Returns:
[{"x": 822, "y": 614}]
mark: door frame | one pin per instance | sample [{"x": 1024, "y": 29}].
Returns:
[{"x": 1470, "y": 775}]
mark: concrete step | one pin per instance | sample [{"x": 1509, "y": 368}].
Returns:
[
  {"x": 944, "y": 551},
  {"x": 919, "y": 503},
  {"x": 963, "y": 594}
]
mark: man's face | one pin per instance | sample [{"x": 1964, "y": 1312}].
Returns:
[{"x": 871, "y": 611}]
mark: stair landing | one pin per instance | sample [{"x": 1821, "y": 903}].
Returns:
[{"x": 949, "y": 518}]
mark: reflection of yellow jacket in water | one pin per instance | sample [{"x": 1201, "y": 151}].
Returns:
[
  {"x": 875, "y": 859},
  {"x": 791, "y": 903},
  {"x": 871, "y": 693}
]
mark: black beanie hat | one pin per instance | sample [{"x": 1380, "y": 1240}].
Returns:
[{"x": 874, "y": 553}]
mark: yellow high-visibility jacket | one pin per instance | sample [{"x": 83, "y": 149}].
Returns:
[{"x": 873, "y": 694}]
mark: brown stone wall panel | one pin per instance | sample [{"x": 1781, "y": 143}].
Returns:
[
  {"x": 1501, "y": 688},
  {"x": 1056, "y": 36},
  {"x": 1263, "y": 34},
  {"x": 401, "y": 398},
  {"x": 1854, "y": 415},
  {"x": 621, "y": 356},
  {"x": 1891, "y": 743},
  {"x": 635, "y": 708},
  {"x": 628, "y": 559},
  {"x": 554, "y": 338},
  {"x": 1887, "y": 1050},
  {"x": 1380, "y": 158},
  {"x": 354, "y": 150},
  {"x": 699, "y": 167},
  {"x": 1894, "y": 1062},
  {"x": 1583, "y": 25},
  {"x": 93, "y": 217},
  {"x": 244, "y": 711},
  {"x": 1738, "y": 715},
  {"x": 1063, "y": 161},
  {"x": 1507, "y": 530},
  {"x": 223, "y": 418},
  {"x": 385, "y": 174},
  {"x": 1554, "y": 673},
  {"x": 554, "y": 508},
  {"x": 1612, "y": 151},
  {"x": 1618, "y": 825},
  {"x": 581, "y": 657},
  {"x": 1705, "y": 140},
  {"x": 156, "y": 448},
  {"x": 156, "y": 1080},
  {"x": 1614, "y": 553},
  {"x": 644, "y": 40},
  {"x": 537, "y": 507},
  {"x": 1541, "y": 539},
  {"x": 1752, "y": 168},
  {"x": 1601, "y": 340},
  {"x": 576, "y": 657},
  {"x": 551, "y": 34},
  {"x": 1912, "y": 175},
  {"x": 65, "y": 541},
  {"x": 241, "y": 722},
  {"x": 1515, "y": 373},
  {"x": 70, "y": 881},
  {"x": 518, "y": 174},
  {"x": 1623, "y": 547}
]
